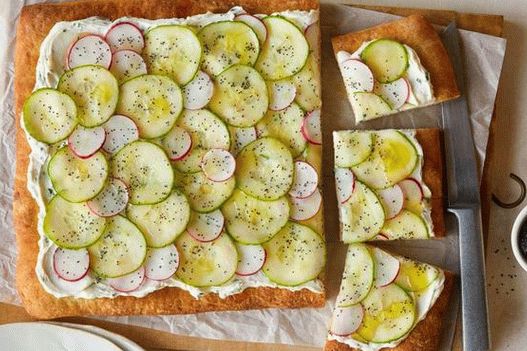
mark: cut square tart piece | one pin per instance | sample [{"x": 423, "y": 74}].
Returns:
[
  {"x": 393, "y": 67},
  {"x": 389, "y": 184},
  {"x": 388, "y": 301}
]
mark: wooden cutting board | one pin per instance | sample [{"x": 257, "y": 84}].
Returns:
[{"x": 156, "y": 340}]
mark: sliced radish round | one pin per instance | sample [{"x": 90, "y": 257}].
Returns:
[
  {"x": 127, "y": 64},
  {"x": 282, "y": 94},
  {"x": 395, "y": 93},
  {"x": 177, "y": 143},
  {"x": 305, "y": 180},
  {"x": 67, "y": 287},
  {"x": 311, "y": 129},
  {"x": 381, "y": 237},
  {"x": 218, "y": 165},
  {"x": 303, "y": 209},
  {"x": 392, "y": 200},
  {"x": 198, "y": 92},
  {"x": 71, "y": 265},
  {"x": 84, "y": 142},
  {"x": 256, "y": 24},
  {"x": 357, "y": 76},
  {"x": 111, "y": 200},
  {"x": 242, "y": 137},
  {"x": 206, "y": 227},
  {"x": 90, "y": 50},
  {"x": 125, "y": 36},
  {"x": 386, "y": 267},
  {"x": 345, "y": 184},
  {"x": 346, "y": 320},
  {"x": 251, "y": 259},
  {"x": 120, "y": 131},
  {"x": 161, "y": 263},
  {"x": 412, "y": 190},
  {"x": 129, "y": 282}
]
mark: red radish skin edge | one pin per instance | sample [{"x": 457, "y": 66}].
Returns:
[
  {"x": 307, "y": 219},
  {"x": 128, "y": 291},
  {"x": 418, "y": 185},
  {"x": 108, "y": 216},
  {"x": 125, "y": 22},
  {"x": 395, "y": 277},
  {"x": 83, "y": 35},
  {"x": 106, "y": 132},
  {"x": 185, "y": 154},
  {"x": 408, "y": 88},
  {"x": 123, "y": 50},
  {"x": 369, "y": 70},
  {"x": 305, "y": 133},
  {"x": 381, "y": 237},
  {"x": 90, "y": 155},
  {"x": 317, "y": 179},
  {"x": 247, "y": 14},
  {"x": 253, "y": 273},
  {"x": 402, "y": 204},
  {"x": 362, "y": 308},
  {"x": 352, "y": 190},
  {"x": 195, "y": 237},
  {"x": 57, "y": 272},
  {"x": 223, "y": 179}
]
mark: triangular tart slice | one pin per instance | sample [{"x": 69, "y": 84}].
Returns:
[{"x": 388, "y": 301}]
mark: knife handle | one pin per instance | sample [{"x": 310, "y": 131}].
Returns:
[{"x": 473, "y": 290}]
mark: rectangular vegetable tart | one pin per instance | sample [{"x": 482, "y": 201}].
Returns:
[{"x": 168, "y": 157}]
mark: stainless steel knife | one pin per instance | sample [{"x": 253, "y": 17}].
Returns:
[{"x": 464, "y": 203}]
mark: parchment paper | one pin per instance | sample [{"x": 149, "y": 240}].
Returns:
[{"x": 483, "y": 60}]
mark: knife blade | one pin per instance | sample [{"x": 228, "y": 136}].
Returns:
[{"x": 464, "y": 203}]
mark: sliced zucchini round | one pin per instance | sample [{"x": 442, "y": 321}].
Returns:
[
  {"x": 252, "y": 221},
  {"x": 387, "y": 59},
  {"x": 146, "y": 169},
  {"x": 206, "y": 263},
  {"x": 95, "y": 91},
  {"x": 393, "y": 159},
  {"x": 207, "y": 132},
  {"x": 226, "y": 43},
  {"x": 362, "y": 216},
  {"x": 358, "y": 276},
  {"x": 72, "y": 225},
  {"x": 406, "y": 225},
  {"x": 389, "y": 313},
  {"x": 152, "y": 102},
  {"x": 163, "y": 222},
  {"x": 307, "y": 83},
  {"x": 119, "y": 251},
  {"x": 49, "y": 115},
  {"x": 352, "y": 147},
  {"x": 415, "y": 276},
  {"x": 285, "y": 51},
  {"x": 240, "y": 96},
  {"x": 77, "y": 179},
  {"x": 265, "y": 169},
  {"x": 285, "y": 125},
  {"x": 368, "y": 106},
  {"x": 173, "y": 51},
  {"x": 295, "y": 255},
  {"x": 204, "y": 195}
]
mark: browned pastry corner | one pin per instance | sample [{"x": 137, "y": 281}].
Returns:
[
  {"x": 426, "y": 336},
  {"x": 35, "y": 23},
  {"x": 416, "y": 32},
  {"x": 430, "y": 140}
]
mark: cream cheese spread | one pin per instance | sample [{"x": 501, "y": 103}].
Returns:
[{"x": 50, "y": 66}]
